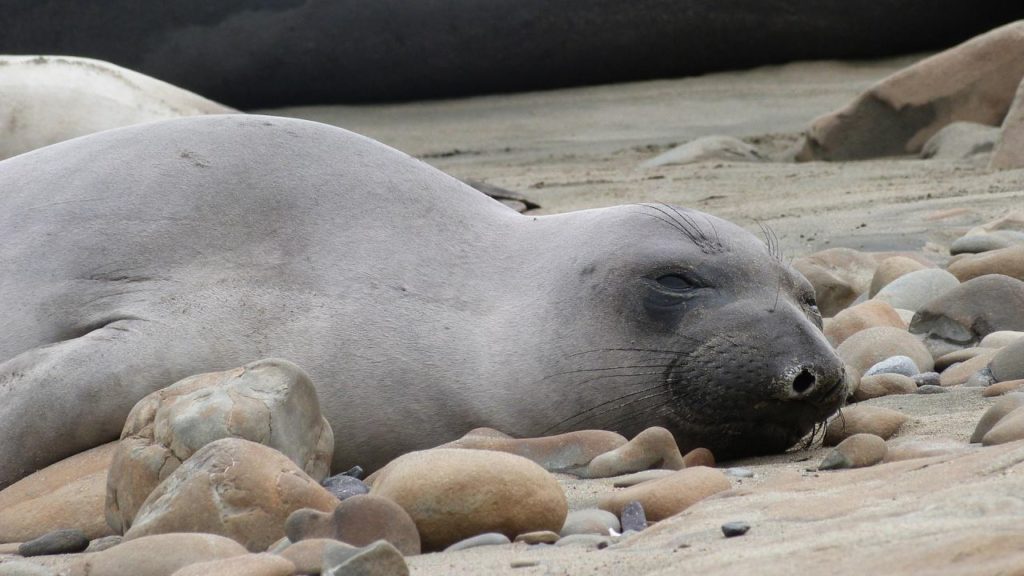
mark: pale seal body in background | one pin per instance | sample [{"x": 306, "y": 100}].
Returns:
[
  {"x": 49, "y": 99},
  {"x": 420, "y": 307}
]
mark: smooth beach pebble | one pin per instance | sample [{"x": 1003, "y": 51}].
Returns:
[
  {"x": 857, "y": 451},
  {"x": 377, "y": 559},
  {"x": 359, "y": 521},
  {"x": 960, "y": 373},
  {"x": 653, "y": 446},
  {"x": 699, "y": 457},
  {"x": 862, "y": 418},
  {"x": 453, "y": 494},
  {"x": 248, "y": 565},
  {"x": 1007, "y": 429},
  {"x": 539, "y": 537},
  {"x": 308, "y": 556},
  {"x": 995, "y": 413},
  {"x": 1008, "y": 363},
  {"x": 894, "y": 365},
  {"x": 927, "y": 379},
  {"x": 486, "y": 539},
  {"x": 870, "y": 314},
  {"x": 158, "y": 555},
  {"x": 1001, "y": 388},
  {"x": 587, "y": 540},
  {"x": 950, "y": 359},
  {"x": 1007, "y": 261},
  {"x": 890, "y": 269},
  {"x": 633, "y": 518},
  {"x": 884, "y": 385},
  {"x": 57, "y": 542},
  {"x": 733, "y": 529},
  {"x": 345, "y": 486},
  {"x": 570, "y": 452},
  {"x": 869, "y": 347},
  {"x": 235, "y": 488},
  {"x": 931, "y": 389},
  {"x": 966, "y": 314},
  {"x": 590, "y": 521},
  {"x": 640, "y": 477},
  {"x": 670, "y": 495},
  {"x": 917, "y": 288},
  {"x": 1001, "y": 338}
]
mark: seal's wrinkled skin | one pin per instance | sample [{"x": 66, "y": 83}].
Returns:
[{"x": 420, "y": 307}]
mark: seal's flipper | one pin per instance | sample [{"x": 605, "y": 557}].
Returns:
[{"x": 60, "y": 399}]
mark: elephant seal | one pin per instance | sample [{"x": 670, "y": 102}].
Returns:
[
  {"x": 420, "y": 307},
  {"x": 49, "y": 99}
]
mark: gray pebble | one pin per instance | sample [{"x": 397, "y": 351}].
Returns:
[
  {"x": 345, "y": 486},
  {"x": 931, "y": 389},
  {"x": 980, "y": 379},
  {"x": 633, "y": 517},
  {"x": 926, "y": 379},
  {"x": 731, "y": 529},
  {"x": 57, "y": 542},
  {"x": 894, "y": 365},
  {"x": 486, "y": 539}
]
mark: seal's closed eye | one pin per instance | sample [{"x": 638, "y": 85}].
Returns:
[{"x": 675, "y": 282}]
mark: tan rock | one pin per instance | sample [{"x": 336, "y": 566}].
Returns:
[
  {"x": 863, "y": 418},
  {"x": 963, "y": 316},
  {"x": 377, "y": 559},
  {"x": 838, "y": 275},
  {"x": 870, "y": 314},
  {"x": 670, "y": 495},
  {"x": 359, "y": 521},
  {"x": 962, "y": 355},
  {"x": 857, "y": 451},
  {"x": 68, "y": 494},
  {"x": 653, "y": 447},
  {"x": 973, "y": 82},
  {"x": 869, "y": 347},
  {"x": 569, "y": 452},
  {"x": 699, "y": 457},
  {"x": 1008, "y": 362},
  {"x": 960, "y": 373},
  {"x": 884, "y": 385},
  {"x": 308, "y": 555},
  {"x": 1009, "y": 151},
  {"x": 1006, "y": 261},
  {"x": 248, "y": 565},
  {"x": 995, "y": 413},
  {"x": 538, "y": 537},
  {"x": 1000, "y": 338},
  {"x": 159, "y": 555},
  {"x": 455, "y": 494},
  {"x": 1001, "y": 388},
  {"x": 235, "y": 488},
  {"x": 270, "y": 401},
  {"x": 1009, "y": 428},
  {"x": 891, "y": 269}
]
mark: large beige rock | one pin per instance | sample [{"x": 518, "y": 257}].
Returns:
[
  {"x": 870, "y": 314},
  {"x": 68, "y": 494},
  {"x": 869, "y": 347},
  {"x": 973, "y": 82},
  {"x": 1009, "y": 150},
  {"x": 270, "y": 401},
  {"x": 963, "y": 316},
  {"x": 838, "y": 275},
  {"x": 248, "y": 565},
  {"x": 454, "y": 494},
  {"x": 235, "y": 488},
  {"x": 156, "y": 555},
  {"x": 1007, "y": 261},
  {"x": 669, "y": 495}
]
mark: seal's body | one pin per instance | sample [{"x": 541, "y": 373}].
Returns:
[{"x": 420, "y": 307}]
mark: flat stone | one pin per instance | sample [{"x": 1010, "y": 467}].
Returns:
[
  {"x": 1001, "y": 388},
  {"x": 670, "y": 495},
  {"x": 862, "y": 418},
  {"x": 995, "y": 413},
  {"x": 585, "y": 540},
  {"x": 248, "y": 565},
  {"x": 377, "y": 559},
  {"x": 733, "y": 529},
  {"x": 158, "y": 555},
  {"x": 654, "y": 446},
  {"x": 1009, "y": 428},
  {"x": 633, "y": 518},
  {"x": 1007, "y": 261},
  {"x": 486, "y": 539},
  {"x": 931, "y": 389},
  {"x": 962, "y": 355},
  {"x": 590, "y": 521},
  {"x": 539, "y": 537},
  {"x": 640, "y": 477},
  {"x": 570, "y": 452},
  {"x": 857, "y": 451},
  {"x": 66, "y": 541},
  {"x": 1008, "y": 362},
  {"x": 308, "y": 555},
  {"x": 960, "y": 373}
]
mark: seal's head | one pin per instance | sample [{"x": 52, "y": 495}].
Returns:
[{"x": 723, "y": 338}]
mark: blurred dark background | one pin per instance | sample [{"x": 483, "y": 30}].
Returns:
[{"x": 265, "y": 53}]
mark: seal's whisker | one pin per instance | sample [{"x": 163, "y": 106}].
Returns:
[
  {"x": 695, "y": 239},
  {"x": 589, "y": 414},
  {"x": 606, "y": 369},
  {"x": 651, "y": 350},
  {"x": 645, "y": 411}
]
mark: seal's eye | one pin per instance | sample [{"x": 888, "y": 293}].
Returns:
[{"x": 675, "y": 283}]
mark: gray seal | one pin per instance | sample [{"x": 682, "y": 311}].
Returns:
[{"x": 420, "y": 307}]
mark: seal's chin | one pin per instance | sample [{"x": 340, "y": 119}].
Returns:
[{"x": 767, "y": 427}]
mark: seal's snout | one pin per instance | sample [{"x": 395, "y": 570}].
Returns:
[{"x": 811, "y": 382}]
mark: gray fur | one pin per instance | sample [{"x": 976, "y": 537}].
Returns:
[{"x": 420, "y": 307}]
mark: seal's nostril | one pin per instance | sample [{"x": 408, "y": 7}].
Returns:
[{"x": 803, "y": 381}]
